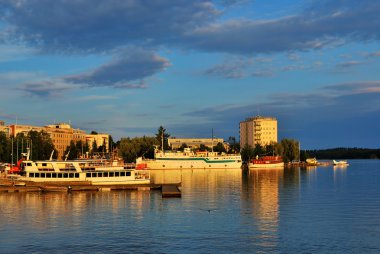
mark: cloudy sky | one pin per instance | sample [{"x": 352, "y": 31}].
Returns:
[{"x": 126, "y": 67}]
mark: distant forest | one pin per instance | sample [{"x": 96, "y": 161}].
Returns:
[{"x": 344, "y": 153}]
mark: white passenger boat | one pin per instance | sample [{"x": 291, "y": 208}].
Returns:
[
  {"x": 96, "y": 172},
  {"x": 191, "y": 160}
]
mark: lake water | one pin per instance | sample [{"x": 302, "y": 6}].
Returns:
[{"x": 314, "y": 210}]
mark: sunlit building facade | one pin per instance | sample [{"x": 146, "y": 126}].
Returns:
[
  {"x": 176, "y": 143},
  {"x": 61, "y": 135},
  {"x": 258, "y": 130}
]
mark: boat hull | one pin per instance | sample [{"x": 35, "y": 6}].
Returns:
[
  {"x": 266, "y": 165},
  {"x": 199, "y": 163}
]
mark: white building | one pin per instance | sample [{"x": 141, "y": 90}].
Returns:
[{"x": 258, "y": 130}]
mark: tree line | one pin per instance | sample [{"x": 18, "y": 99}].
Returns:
[
  {"x": 131, "y": 148},
  {"x": 39, "y": 143},
  {"x": 344, "y": 153},
  {"x": 287, "y": 148}
]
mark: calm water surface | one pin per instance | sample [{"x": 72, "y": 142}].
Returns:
[{"x": 314, "y": 210}]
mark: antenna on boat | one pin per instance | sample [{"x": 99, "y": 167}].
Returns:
[
  {"x": 162, "y": 141},
  {"x": 51, "y": 155},
  {"x": 212, "y": 139},
  {"x": 67, "y": 155}
]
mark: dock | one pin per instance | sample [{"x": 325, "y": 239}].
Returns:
[
  {"x": 10, "y": 186},
  {"x": 170, "y": 191}
]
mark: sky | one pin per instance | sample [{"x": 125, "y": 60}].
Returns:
[{"x": 126, "y": 67}]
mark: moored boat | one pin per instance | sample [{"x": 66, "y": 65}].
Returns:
[
  {"x": 95, "y": 172},
  {"x": 191, "y": 160},
  {"x": 267, "y": 162},
  {"x": 340, "y": 163},
  {"x": 312, "y": 162}
]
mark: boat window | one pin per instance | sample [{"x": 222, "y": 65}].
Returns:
[
  {"x": 111, "y": 174},
  {"x": 59, "y": 175},
  {"x": 88, "y": 174},
  {"x": 117, "y": 173},
  {"x": 37, "y": 174},
  {"x": 105, "y": 174},
  {"x": 44, "y": 164},
  {"x": 65, "y": 175},
  {"x": 48, "y": 175},
  {"x": 31, "y": 174},
  {"x": 54, "y": 175},
  {"x": 128, "y": 173},
  {"x": 122, "y": 173},
  {"x": 43, "y": 175},
  {"x": 76, "y": 175},
  {"x": 71, "y": 175},
  {"x": 94, "y": 175}
]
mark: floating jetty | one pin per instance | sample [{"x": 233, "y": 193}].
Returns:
[
  {"x": 170, "y": 191},
  {"x": 10, "y": 186}
]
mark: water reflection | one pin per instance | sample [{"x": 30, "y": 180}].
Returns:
[
  {"x": 52, "y": 210},
  {"x": 262, "y": 195}
]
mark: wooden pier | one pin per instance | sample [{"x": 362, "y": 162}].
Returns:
[
  {"x": 170, "y": 191},
  {"x": 7, "y": 185}
]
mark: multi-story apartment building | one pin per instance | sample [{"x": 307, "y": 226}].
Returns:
[
  {"x": 176, "y": 143},
  {"x": 258, "y": 130},
  {"x": 101, "y": 139},
  {"x": 4, "y": 128},
  {"x": 61, "y": 135}
]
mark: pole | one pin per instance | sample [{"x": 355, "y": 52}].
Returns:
[
  {"x": 212, "y": 139},
  {"x": 162, "y": 141},
  {"x": 17, "y": 149},
  {"x": 12, "y": 152}
]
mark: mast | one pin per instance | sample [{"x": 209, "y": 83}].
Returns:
[
  {"x": 12, "y": 152},
  {"x": 162, "y": 141},
  {"x": 212, "y": 139}
]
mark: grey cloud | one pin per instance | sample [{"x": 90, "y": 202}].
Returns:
[
  {"x": 231, "y": 69},
  {"x": 355, "y": 87},
  {"x": 263, "y": 73},
  {"x": 63, "y": 26},
  {"x": 321, "y": 25},
  {"x": 130, "y": 65},
  {"x": 46, "y": 88},
  {"x": 97, "y": 25},
  {"x": 349, "y": 64},
  {"x": 373, "y": 54}
]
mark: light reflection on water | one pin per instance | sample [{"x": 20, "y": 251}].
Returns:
[{"x": 324, "y": 209}]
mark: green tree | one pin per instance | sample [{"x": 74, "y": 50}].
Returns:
[
  {"x": 234, "y": 146},
  {"x": 290, "y": 150},
  {"x": 4, "y": 147},
  {"x": 77, "y": 149},
  {"x": 219, "y": 148},
  {"x": 111, "y": 143},
  {"x": 131, "y": 148},
  {"x": 247, "y": 152},
  {"x": 71, "y": 151},
  {"x": 94, "y": 147},
  {"x": 203, "y": 148},
  {"x": 161, "y": 133},
  {"x": 41, "y": 145},
  {"x": 258, "y": 150},
  {"x": 183, "y": 146}
]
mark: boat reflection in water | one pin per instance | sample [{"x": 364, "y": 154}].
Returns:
[{"x": 266, "y": 204}]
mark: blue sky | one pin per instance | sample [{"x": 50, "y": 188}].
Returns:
[{"x": 127, "y": 67}]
